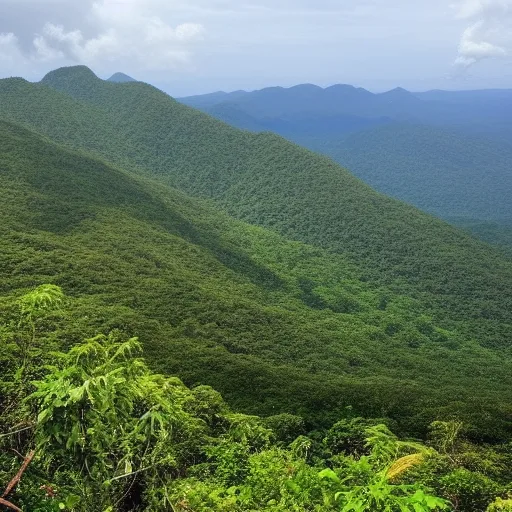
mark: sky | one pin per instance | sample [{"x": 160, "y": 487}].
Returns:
[{"x": 191, "y": 47}]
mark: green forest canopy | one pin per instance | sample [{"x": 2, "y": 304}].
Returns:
[
  {"x": 392, "y": 315},
  {"x": 247, "y": 305}
]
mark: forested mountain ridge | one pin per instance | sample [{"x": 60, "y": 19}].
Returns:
[
  {"x": 265, "y": 180},
  {"x": 446, "y": 152}
]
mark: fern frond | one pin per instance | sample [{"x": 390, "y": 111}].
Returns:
[{"x": 400, "y": 466}]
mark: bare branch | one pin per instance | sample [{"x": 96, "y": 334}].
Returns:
[
  {"x": 8, "y": 504},
  {"x": 12, "y": 484},
  {"x": 16, "y": 431}
]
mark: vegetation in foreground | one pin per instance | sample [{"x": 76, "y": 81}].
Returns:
[{"x": 104, "y": 433}]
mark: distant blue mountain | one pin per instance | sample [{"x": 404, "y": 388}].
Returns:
[
  {"x": 121, "y": 78},
  {"x": 478, "y": 111},
  {"x": 447, "y": 152}
]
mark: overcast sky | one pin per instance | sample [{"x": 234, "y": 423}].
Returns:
[{"x": 197, "y": 46}]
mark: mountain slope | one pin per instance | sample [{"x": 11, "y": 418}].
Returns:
[
  {"x": 265, "y": 180},
  {"x": 276, "y": 325},
  {"x": 452, "y": 157},
  {"x": 439, "y": 170}
]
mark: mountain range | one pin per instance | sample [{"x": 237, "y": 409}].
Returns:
[
  {"x": 479, "y": 110},
  {"x": 246, "y": 262},
  {"x": 445, "y": 152}
]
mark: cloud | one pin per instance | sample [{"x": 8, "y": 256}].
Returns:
[
  {"x": 8, "y": 46},
  {"x": 488, "y": 34},
  {"x": 124, "y": 32},
  {"x": 11, "y": 57}
]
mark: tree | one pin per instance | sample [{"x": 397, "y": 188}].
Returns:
[{"x": 121, "y": 427}]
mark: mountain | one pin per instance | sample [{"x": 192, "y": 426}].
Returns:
[
  {"x": 439, "y": 170},
  {"x": 477, "y": 111},
  {"x": 211, "y": 99},
  {"x": 445, "y": 152},
  {"x": 308, "y": 99},
  {"x": 121, "y": 78},
  {"x": 388, "y": 310}
]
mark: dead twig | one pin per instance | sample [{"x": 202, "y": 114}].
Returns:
[
  {"x": 14, "y": 482},
  {"x": 8, "y": 504},
  {"x": 16, "y": 431}
]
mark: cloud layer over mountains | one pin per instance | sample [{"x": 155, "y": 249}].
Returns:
[
  {"x": 203, "y": 45},
  {"x": 129, "y": 32}
]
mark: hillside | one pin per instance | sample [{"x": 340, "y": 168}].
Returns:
[
  {"x": 265, "y": 180},
  {"x": 220, "y": 302},
  {"x": 394, "y": 308},
  {"x": 450, "y": 158},
  {"x": 441, "y": 171}
]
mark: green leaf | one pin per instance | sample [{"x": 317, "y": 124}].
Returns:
[
  {"x": 329, "y": 474},
  {"x": 72, "y": 500}
]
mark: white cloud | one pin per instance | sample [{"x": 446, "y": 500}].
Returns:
[
  {"x": 9, "y": 48},
  {"x": 125, "y": 32},
  {"x": 44, "y": 52},
  {"x": 489, "y": 33},
  {"x": 470, "y": 9},
  {"x": 11, "y": 56}
]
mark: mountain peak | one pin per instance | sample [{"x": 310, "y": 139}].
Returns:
[
  {"x": 400, "y": 96},
  {"x": 398, "y": 91},
  {"x": 305, "y": 87},
  {"x": 340, "y": 87},
  {"x": 79, "y": 80},
  {"x": 346, "y": 89},
  {"x": 121, "y": 78},
  {"x": 70, "y": 73}
]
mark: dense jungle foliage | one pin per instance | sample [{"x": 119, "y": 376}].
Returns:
[
  {"x": 392, "y": 322},
  {"x": 274, "y": 325},
  {"x": 102, "y": 432}
]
